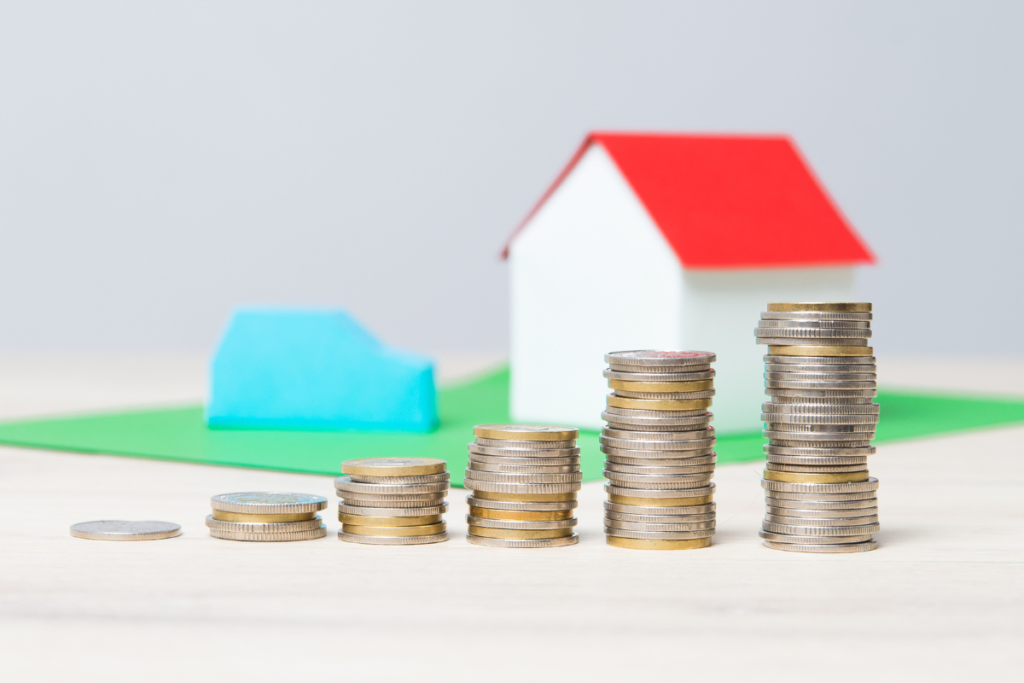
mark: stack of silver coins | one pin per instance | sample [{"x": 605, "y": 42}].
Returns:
[
  {"x": 819, "y": 421},
  {"x": 266, "y": 516},
  {"x": 524, "y": 480},
  {"x": 393, "y": 501},
  {"x": 658, "y": 446}
]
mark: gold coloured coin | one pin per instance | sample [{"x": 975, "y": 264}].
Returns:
[
  {"x": 393, "y": 467},
  {"x": 520, "y": 516},
  {"x": 661, "y": 387},
  {"x": 832, "y": 306},
  {"x": 224, "y": 516},
  {"x": 801, "y": 478},
  {"x": 526, "y": 497},
  {"x": 639, "y": 544},
  {"x": 820, "y": 351},
  {"x": 519, "y": 533},
  {"x": 362, "y": 520},
  {"x": 526, "y": 432},
  {"x": 660, "y": 502},
  {"x": 655, "y": 404},
  {"x": 392, "y": 531}
]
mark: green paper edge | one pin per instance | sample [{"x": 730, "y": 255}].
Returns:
[{"x": 180, "y": 434}]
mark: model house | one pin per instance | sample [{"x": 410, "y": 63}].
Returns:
[{"x": 667, "y": 242}]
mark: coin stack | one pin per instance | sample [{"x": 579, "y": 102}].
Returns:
[
  {"x": 658, "y": 445},
  {"x": 524, "y": 480},
  {"x": 393, "y": 501},
  {"x": 819, "y": 421},
  {"x": 266, "y": 516}
]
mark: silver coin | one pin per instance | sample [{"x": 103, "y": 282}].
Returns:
[
  {"x": 650, "y": 511},
  {"x": 701, "y": 492},
  {"x": 675, "y": 481},
  {"x": 815, "y": 334},
  {"x": 822, "y": 498},
  {"x": 523, "y": 542},
  {"x": 641, "y": 470},
  {"x": 665, "y": 415},
  {"x": 814, "y": 315},
  {"x": 779, "y": 513},
  {"x": 264, "y": 527},
  {"x": 523, "y": 453},
  {"x": 659, "y": 455},
  {"x": 818, "y": 452},
  {"x": 841, "y": 377},
  {"x": 268, "y": 502},
  {"x": 818, "y": 401},
  {"x": 627, "y": 360},
  {"x": 654, "y": 424},
  {"x": 522, "y": 469},
  {"x": 862, "y": 438},
  {"x": 775, "y": 392},
  {"x": 375, "y": 501},
  {"x": 666, "y": 395},
  {"x": 788, "y": 520},
  {"x": 810, "y": 418},
  {"x": 819, "y": 409},
  {"x": 346, "y": 485},
  {"x": 474, "y": 484},
  {"x": 813, "y": 540},
  {"x": 521, "y": 506},
  {"x": 815, "y": 469},
  {"x": 847, "y": 487},
  {"x": 364, "y": 511},
  {"x": 621, "y": 525},
  {"x": 504, "y": 478},
  {"x": 820, "y": 386},
  {"x": 400, "y": 481},
  {"x": 819, "y": 360},
  {"x": 527, "y": 445},
  {"x": 660, "y": 376},
  {"x": 870, "y": 502},
  {"x": 815, "y": 324},
  {"x": 659, "y": 535},
  {"x": 861, "y": 547},
  {"x": 393, "y": 540},
  {"x": 531, "y": 462},
  {"x": 521, "y": 525},
  {"x": 658, "y": 519},
  {"x": 808, "y": 341},
  {"x": 636, "y": 445},
  {"x": 662, "y": 462},
  {"x": 820, "y": 428},
  {"x": 822, "y": 445},
  {"x": 122, "y": 530},
  {"x": 631, "y": 434},
  {"x": 275, "y": 537},
  {"x": 826, "y": 461},
  {"x": 819, "y": 531},
  {"x": 805, "y": 369}
]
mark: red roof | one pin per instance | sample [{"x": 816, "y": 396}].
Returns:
[{"x": 729, "y": 201}]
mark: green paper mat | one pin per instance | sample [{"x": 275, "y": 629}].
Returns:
[{"x": 181, "y": 434}]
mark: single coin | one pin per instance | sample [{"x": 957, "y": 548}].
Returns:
[
  {"x": 816, "y": 376},
  {"x": 821, "y": 438},
  {"x": 392, "y": 540},
  {"x": 655, "y": 424},
  {"x": 659, "y": 535},
  {"x": 840, "y": 517},
  {"x": 816, "y": 461},
  {"x": 365, "y": 520},
  {"x": 444, "y": 477},
  {"x": 635, "y": 444},
  {"x": 820, "y": 360},
  {"x": 519, "y": 534},
  {"x": 646, "y": 481},
  {"x": 520, "y": 506},
  {"x": 523, "y": 469},
  {"x": 371, "y": 500},
  {"x": 862, "y": 547},
  {"x": 657, "y": 519},
  {"x": 620, "y": 525},
  {"x": 817, "y": 498},
  {"x": 816, "y": 401},
  {"x": 640, "y": 544},
  {"x": 673, "y": 494},
  {"x": 661, "y": 387},
  {"x": 487, "y": 513},
  {"x": 525, "y": 454},
  {"x": 806, "y": 418},
  {"x": 223, "y": 516},
  {"x": 680, "y": 415},
  {"x": 814, "y": 324},
  {"x": 536, "y": 461},
  {"x": 820, "y": 428},
  {"x": 393, "y": 467},
  {"x": 344, "y": 509},
  {"x": 788, "y": 520},
  {"x": 832, "y": 307},
  {"x": 813, "y": 540},
  {"x": 346, "y": 485},
  {"x": 660, "y": 396},
  {"x": 819, "y": 531},
  {"x": 822, "y": 505},
  {"x": 815, "y": 469},
  {"x": 264, "y": 528},
  {"x": 122, "y": 530},
  {"x": 668, "y": 503},
  {"x": 268, "y": 502},
  {"x": 491, "y": 523},
  {"x": 507, "y": 478},
  {"x": 821, "y": 386},
  {"x": 526, "y": 432},
  {"x": 835, "y": 396},
  {"x": 524, "y": 543},
  {"x": 821, "y": 342},
  {"x": 499, "y": 496},
  {"x": 659, "y": 376},
  {"x": 626, "y": 360},
  {"x": 659, "y": 511},
  {"x": 393, "y": 531},
  {"x": 826, "y": 445},
  {"x": 479, "y": 485},
  {"x": 545, "y": 449},
  {"x": 816, "y": 335},
  {"x": 641, "y": 470},
  {"x": 788, "y": 350},
  {"x": 819, "y": 409},
  {"x": 815, "y": 315},
  {"x": 657, "y": 455},
  {"x": 279, "y": 537},
  {"x": 686, "y": 461},
  {"x": 799, "y": 477},
  {"x": 648, "y": 404},
  {"x": 778, "y": 487},
  {"x": 637, "y": 435}
]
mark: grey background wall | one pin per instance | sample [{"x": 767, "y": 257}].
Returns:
[{"x": 161, "y": 163}]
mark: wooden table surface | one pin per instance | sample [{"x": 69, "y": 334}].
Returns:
[{"x": 941, "y": 599}]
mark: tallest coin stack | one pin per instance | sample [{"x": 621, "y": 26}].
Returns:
[{"x": 819, "y": 421}]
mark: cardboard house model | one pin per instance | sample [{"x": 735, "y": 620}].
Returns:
[{"x": 667, "y": 242}]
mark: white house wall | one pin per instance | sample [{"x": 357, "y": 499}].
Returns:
[
  {"x": 590, "y": 273},
  {"x": 720, "y": 312}
]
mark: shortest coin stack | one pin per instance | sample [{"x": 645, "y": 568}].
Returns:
[
  {"x": 393, "y": 501},
  {"x": 266, "y": 516},
  {"x": 524, "y": 480}
]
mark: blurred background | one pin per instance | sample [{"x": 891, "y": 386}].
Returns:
[{"x": 162, "y": 163}]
